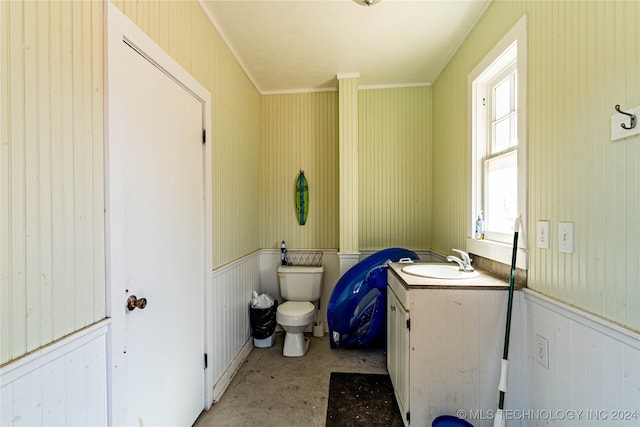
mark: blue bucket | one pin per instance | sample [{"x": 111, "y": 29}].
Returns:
[{"x": 450, "y": 421}]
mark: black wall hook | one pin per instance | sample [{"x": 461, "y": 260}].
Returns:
[{"x": 634, "y": 119}]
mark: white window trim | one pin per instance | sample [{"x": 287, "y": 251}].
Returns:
[{"x": 497, "y": 251}]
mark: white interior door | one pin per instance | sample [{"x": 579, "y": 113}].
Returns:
[{"x": 157, "y": 248}]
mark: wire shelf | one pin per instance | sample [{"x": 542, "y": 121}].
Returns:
[{"x": 304, "y": 258}]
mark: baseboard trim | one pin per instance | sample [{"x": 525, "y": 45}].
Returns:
[{"x": 221, "y": 385}]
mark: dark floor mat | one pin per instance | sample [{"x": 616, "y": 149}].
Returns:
[{"x": 362, "y": 400}]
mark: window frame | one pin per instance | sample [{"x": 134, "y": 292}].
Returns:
[
  {"x": 504, "y": 71},
  {"x": 478, "y": 130}
]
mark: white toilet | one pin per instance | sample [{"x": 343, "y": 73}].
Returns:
[{"x": 299, "y": 285}]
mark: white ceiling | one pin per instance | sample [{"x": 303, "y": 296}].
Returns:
[{"x": 298, "y": 45}]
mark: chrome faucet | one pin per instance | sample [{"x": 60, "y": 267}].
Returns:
[{"x": 464, "y": 263}]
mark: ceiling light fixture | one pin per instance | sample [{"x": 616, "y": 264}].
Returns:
[{"x": 366, "y": 2}]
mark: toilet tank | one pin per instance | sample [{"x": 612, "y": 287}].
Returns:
[{"x": 300, "y": 283}]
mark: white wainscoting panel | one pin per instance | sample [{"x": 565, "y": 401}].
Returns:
[
  {"x": 228, "y": 340},
  {"x": 63, "y": 384},
  {"x": 593, "y": 374}
]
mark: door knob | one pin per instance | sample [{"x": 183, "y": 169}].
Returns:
[{"x": 134, "y": 302}]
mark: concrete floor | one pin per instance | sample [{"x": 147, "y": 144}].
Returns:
[{"x": 273, "y": 390}]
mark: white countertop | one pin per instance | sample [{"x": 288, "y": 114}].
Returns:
[{"x": 484, "y": 281}]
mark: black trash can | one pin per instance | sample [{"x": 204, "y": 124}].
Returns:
[{"x": 263, "y": 325}]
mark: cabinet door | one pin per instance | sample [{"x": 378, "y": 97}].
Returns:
[
  {"x": 398, "y": 351},
  {"x": 392, "y": 340}
]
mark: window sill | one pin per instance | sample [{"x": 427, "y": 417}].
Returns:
[{"x": 496, "y": 251}]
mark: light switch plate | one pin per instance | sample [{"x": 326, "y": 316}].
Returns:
[
  {"x": 543, "y": 230},
  {"x": 565, "y": 237}
]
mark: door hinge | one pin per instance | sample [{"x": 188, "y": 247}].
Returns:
[
  {"x": 206, "y": 361},
  {"x": 408, "y": 417},
  {"x": 204, "y": 136},
  {"x": 409, "y": 324}
]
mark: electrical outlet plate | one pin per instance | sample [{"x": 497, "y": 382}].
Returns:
[
  {"x": 565, "y": 237},
  {"x": 543, "y": 235},
  {"x": 542, "y": 351}
]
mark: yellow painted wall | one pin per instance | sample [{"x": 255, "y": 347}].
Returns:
[
  {"x": 394, "y": 180},
  {"x": 299, "y": 131},
  {"x": 52, "y": 272},
  {"x": 584, "y": 58},
  {"x": 183, "y": 30},
  {"x": 348, "y": 142},
  {"x": 395, "y": 168}
]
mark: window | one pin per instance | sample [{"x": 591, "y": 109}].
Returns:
[
  {"x": 498, "y": 147},
  {"x": 497, "y": 150}
]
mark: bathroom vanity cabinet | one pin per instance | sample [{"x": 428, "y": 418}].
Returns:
[
  {"x": 444, "y": 344},
  {"x": 398, "y": 327}
]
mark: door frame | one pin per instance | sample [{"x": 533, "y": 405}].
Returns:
[{"x": 118, "y": 28}]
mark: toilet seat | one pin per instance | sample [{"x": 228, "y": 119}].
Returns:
[
  {"x": 295, "y": 313},
  {"x": 295, "y": 308}
]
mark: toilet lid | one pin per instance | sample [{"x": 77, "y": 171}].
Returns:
[{"x": 296, "y": 308}]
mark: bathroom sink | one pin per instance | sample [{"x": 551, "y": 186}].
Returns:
[{"x": 439, "y": 271}]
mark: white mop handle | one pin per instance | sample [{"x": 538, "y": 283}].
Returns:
[
  {"x": 498, "y": 420},
  {"x": 502, "y": 386}
]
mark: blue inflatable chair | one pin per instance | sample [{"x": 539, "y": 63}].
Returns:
[{"x": 357, "y": 310}]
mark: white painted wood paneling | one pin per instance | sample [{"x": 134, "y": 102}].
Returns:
[
  {"x": 594, "y": 367},
  {"x": 62, "y": 384},
  {"x": 228, "y": 334}
]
